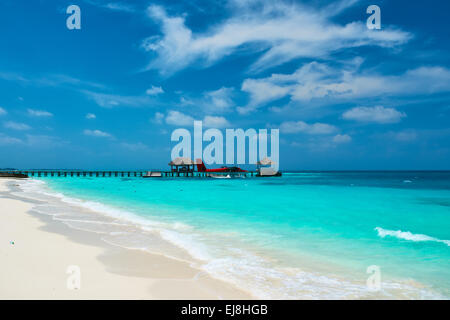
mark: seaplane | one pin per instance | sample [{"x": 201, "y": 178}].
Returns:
[{"x": 219, "y": 173}]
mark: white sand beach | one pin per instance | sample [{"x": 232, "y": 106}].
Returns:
[{"x": 37, "y": 251}]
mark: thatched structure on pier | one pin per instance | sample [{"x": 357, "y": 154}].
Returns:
[
  {"x": 263, "y": 170},
  {"x": 182, "y": 164}
]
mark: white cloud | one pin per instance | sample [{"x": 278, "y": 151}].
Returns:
[
  {"x": 177, "y": 118},
  {"x": 261, "y": 92},
  {"x": 35, "y": 141},
  {"x": 39, "y": 141},
  {"x": 411, "y": 135},
  {"x": 97, "y": 133},
  {"x": 7, "y": 140},
  {"x": 378, "y": 114},
  {"x": 16, "y": 126},
  {"x": 405, "y": 135},
  {"x": 153, "y": 91},
  {"x": 303, "y": 127},
  {"x": 91, "y": 116},
  {"x": 114, "y": 6},
  {"x": 139, "y": 146},
  {"x": 215, "y": 122},
  {"x": 218, "y": 101},
  {"x": 319, "y": 82},
  {"x": 184, "y": 101},
  {"x": 44, "y": 141},
  {"x": 49, "y": 80},
  {"x": 107, "y": 100},
  {"x": 211, "y": 102},
  {"x": 2, "y": 111},
  {"x": 13, "y": 76},
  {"x": 39, "y": 113},
  {"x": 158, "y": 118},
  {"x": 118, "y": 6},
  {"x": 281, "y": 32},
  {"x": 342, "y": 138}
]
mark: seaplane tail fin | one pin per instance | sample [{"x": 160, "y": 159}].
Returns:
[{"x": 200, "y": 165}]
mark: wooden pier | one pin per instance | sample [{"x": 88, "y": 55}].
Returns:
[{"x": 123, "y": 174}]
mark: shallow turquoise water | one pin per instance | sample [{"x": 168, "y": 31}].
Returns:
[{"x": 342, "y": 222}]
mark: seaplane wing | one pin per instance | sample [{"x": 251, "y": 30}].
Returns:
[{"x": 202, "y": 168}]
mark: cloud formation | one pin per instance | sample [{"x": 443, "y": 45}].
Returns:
[
  {"x": 215, "y": 122},
  {"x": 303, "y": 127},
  {"x": 135, "y": 147},
  {"x": 342, "y": 138},
  {"x": 177, "y": 118},
  {"x": 378, "y": 114},
  {"x": 107, "y": 100},
  {"x": 319, "y": 82},
  {"x": 280, "y": 31},
  {"x": 97, "y": 133},
  {"x": 153, "y": 91},
  {"x": 16, "y": 126},
  {"x": 39, "y": 113},
  {"x": 44, "y": 141},
  {"x": 34, "y": 141},
  {"x": 7, "y": 140},
  {"x": 49, "y": 80},
  {"x": 118, "y": 6},
  {"x": 158, "y": 118},
  {"x": 211, "y": 102},
  {"x": 114, "y": 6},
  {"x": 218, "y": 101}
]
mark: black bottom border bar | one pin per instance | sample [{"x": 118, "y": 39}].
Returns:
[{"x": 235, "y": 309}]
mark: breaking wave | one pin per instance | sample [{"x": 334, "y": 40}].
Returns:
[{"x": 406, "y": 235}]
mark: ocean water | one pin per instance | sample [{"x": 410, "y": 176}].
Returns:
[{"x": 306, "y": 235}]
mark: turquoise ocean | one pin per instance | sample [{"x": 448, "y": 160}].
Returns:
[{"x": 311, "y": 235}]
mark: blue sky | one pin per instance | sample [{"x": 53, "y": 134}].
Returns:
[{"x": 109, "y": 95}]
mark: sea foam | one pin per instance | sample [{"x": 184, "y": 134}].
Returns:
[
  {"x": 406, "y": 235},
  {"x": 243, "y": 268}
]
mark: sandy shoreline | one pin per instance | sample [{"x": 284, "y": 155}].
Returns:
[{"x": 36, "y": 253}]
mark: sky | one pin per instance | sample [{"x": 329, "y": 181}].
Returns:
[{"x": 109, "y": 95}]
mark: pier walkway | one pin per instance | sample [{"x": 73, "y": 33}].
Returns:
[{"x": 104, "y": 174}]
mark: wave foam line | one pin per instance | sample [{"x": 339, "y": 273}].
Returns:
[
  {"x": 245, "y": 270},
  {"x": 406, "y": 235}
]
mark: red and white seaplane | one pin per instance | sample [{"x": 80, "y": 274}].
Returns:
[{"x": 223, "y": 172}]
